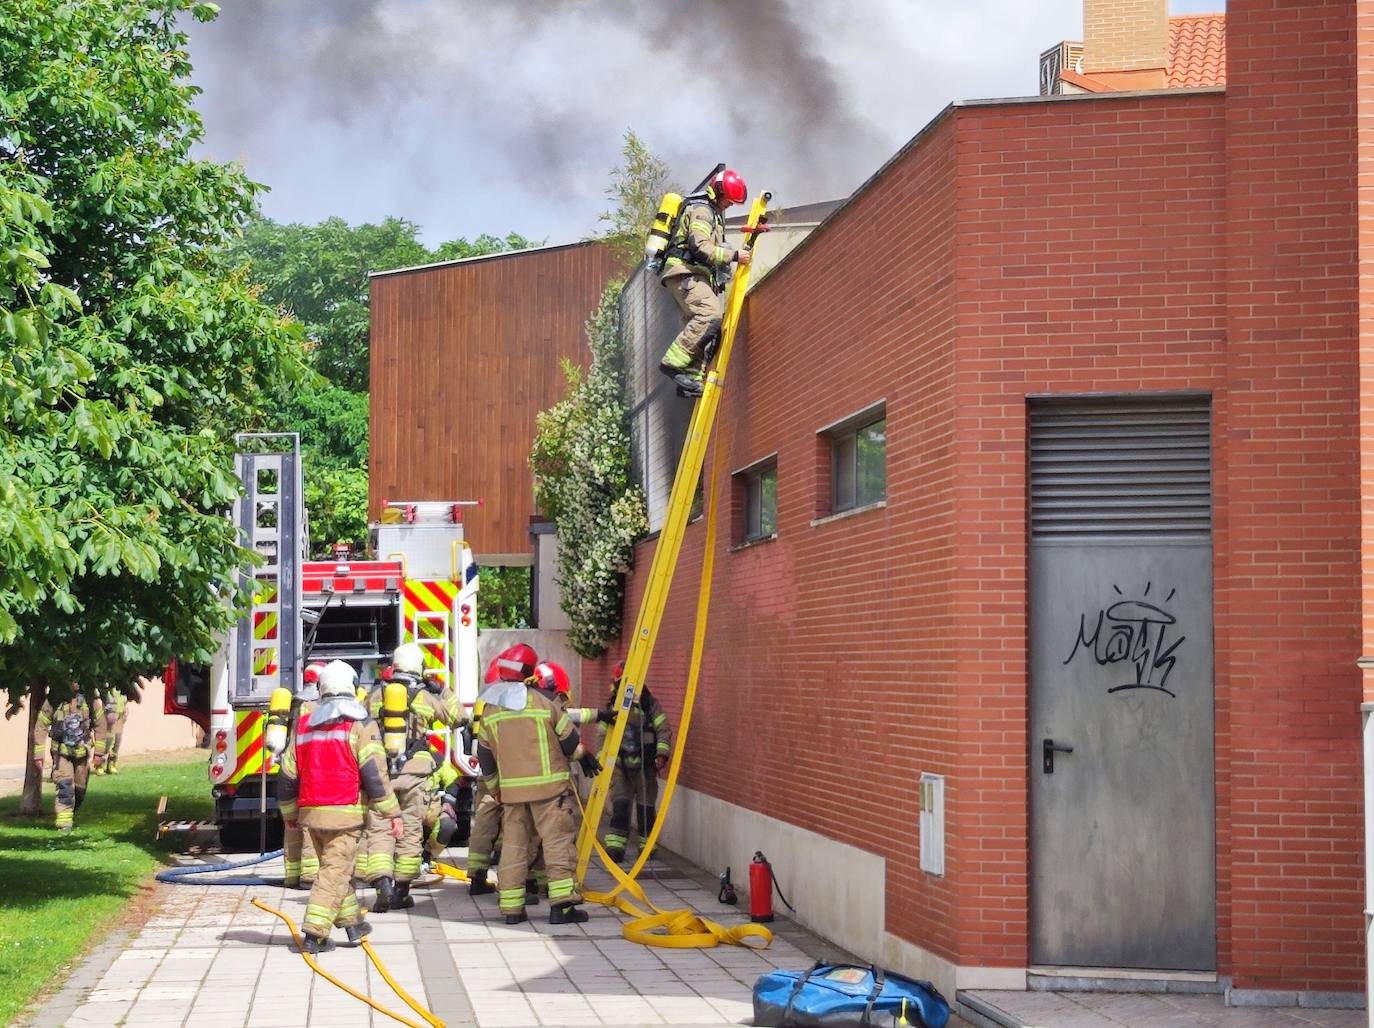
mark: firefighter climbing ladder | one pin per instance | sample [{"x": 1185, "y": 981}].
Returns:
[{"x": 680, "y": 928}]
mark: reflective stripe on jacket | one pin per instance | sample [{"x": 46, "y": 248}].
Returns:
[
  {"x": 529, "y": 748},
  {"x": 315, "y": 772},
  {"x": 697, "y": 246},
  {"x": 327, "y": 765}
]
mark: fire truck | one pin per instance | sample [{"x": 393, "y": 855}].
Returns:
[{"x": 421, "y": 586}]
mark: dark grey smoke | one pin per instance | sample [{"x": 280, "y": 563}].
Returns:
[{"x": 498, "y": 115}]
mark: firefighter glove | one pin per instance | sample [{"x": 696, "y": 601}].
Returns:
[
  {"x": 605, "y": 715},
  {"x": 660, "y": 762},
  {"x": 591, "y": 767}
]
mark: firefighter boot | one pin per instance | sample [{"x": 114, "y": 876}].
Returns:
[
  {"x": 519, "y": 918},
  {"x": 386, "y": 894},
  {"x": 357, "y": 932},
  {"x": 567, "y": 913},
  {"x": 401, "y": 898},
  {"x": 314, "y": 945},
  {"x": 689, "y": 383},
  {"x": 531, "y": 893},
  {"x": 478, "y": 884}
]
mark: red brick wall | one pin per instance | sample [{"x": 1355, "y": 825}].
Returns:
[
  {"x": 1089, "y": 261},
  {"x": 1103, "y": 244},
  {"x": 1287, "y": 612}
]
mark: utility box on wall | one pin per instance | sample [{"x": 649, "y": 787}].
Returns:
[{"x": 932, "y": 823}]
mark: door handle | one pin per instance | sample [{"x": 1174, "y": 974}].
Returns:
[{"x": 1050, "y": 748}]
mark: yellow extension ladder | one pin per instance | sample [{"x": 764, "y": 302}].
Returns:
[{"x": 646, "y": 634}]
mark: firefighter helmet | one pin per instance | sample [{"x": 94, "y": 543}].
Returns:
[
  {"x": 408, "y": 658},
  {"x": 337, "y": 679},
  {"x": 729, "y": 186},
  {"x": 551, "y": 677},
  {"x": 513, "y": 664},
  {"x": 619, "y": 672}
]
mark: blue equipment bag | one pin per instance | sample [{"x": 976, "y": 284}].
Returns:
[{"x": 846, "y": 996}]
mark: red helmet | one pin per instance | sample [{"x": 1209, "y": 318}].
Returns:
[
  {"x": 513, "y": 664},
  {"x": 311, "y": 674},
  {"x": 619, "y": 672},
  {"x": 552, "y": 677},
  {"x": 729, "y": 185}
]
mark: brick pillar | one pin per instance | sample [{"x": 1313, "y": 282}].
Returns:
[
  {"x": 1288, "y": 574},
  {"x": 1127, "y": 36}
]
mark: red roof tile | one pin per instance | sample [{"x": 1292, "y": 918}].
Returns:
[{"x": 1197, "y": 50}]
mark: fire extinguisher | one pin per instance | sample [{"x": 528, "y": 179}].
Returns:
[{"x": 761, "y": 882}]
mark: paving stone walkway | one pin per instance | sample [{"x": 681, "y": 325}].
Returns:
[
  {"x": 1144, "y": 1010},
  {"x": 208, "y": 958}
]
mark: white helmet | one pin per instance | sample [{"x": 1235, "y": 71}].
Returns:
[
  {"x": 337, "y": 679},
  {"x": 408, "y": 658}
]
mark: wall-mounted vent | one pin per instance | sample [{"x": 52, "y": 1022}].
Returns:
[
  {"x": 1125, "y": 467},
  {"x": 932, "y": 823}
]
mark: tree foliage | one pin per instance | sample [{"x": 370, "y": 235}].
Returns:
[
  {"x": 637, "y": 186},
  {"x": 319, "y": 273},
  {"x": 581, "y": 463},
  {"x": 129, "y": 348},
  {"x": 505, "y": 597}
]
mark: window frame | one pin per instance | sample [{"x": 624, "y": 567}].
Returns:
[
  {"x": 836, "y": 436},
  {"x": 746, "y": 480}
]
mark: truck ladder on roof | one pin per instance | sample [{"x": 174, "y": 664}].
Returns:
[
  {"x": 669, "y": 542},
  {"x": 266, "y": 647}
]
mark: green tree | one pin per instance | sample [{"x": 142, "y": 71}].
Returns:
[
  {"x": 504, "y": 597},
  {"x": 131, "y": 349},
  {"x": 581, "y": 463},
  {"x": 637, "y": 186},
  {"x": 319, "y": 273}
]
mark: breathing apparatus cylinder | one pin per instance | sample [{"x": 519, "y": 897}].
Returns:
[
  {"x": 278, "y": 721},
  {"x": 662, "y": 229},
  {"x": 395, "y": 702}
]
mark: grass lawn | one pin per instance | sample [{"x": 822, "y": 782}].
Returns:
[{"x": 56, "y": 892}]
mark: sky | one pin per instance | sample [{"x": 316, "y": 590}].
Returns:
[{"x": 495, "y": 116}]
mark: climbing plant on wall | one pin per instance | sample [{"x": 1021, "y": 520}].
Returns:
[{"x": 581, "y": 463}]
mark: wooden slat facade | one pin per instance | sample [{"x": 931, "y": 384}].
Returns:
[{"x": 464, "y": 355}]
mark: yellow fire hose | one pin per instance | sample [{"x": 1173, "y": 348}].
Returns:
[
  {"x": 409, "y": 1001},
  {"x": 669, "y": 547}
]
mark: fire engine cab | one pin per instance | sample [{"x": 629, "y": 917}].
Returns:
[{"x": 421, "y": 589}]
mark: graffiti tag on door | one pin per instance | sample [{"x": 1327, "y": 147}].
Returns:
[{"x": 1134, "y": 632}]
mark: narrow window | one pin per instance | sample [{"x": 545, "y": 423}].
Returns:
[
  {"x": 756, "y": 501},
  {"x": 858, "y": 464}
]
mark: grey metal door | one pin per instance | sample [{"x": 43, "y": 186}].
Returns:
[{"x": 1122, "y": 772}]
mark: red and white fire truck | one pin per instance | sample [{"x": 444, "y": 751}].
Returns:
[{"x": 421, "y": 589}]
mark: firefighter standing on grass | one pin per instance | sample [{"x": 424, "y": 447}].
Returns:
[
  {"x": 644, "y": 751},
  {"x": 66, "y": 722},
  {"x": 391, "y": 865},
  {"x": 335, "y": 766},
  {"x": 513, "y": 664},
  {"x": 110, "y": 713},
  {"x": 694, "y": 263},
  {"x": 524, "y": 747}
]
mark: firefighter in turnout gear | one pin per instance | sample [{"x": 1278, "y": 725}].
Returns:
[
  {"x": 300, "y": 861},
  {"x": 524, "y": 748},
  {"x": 513, "y": 664},
  {"x": 65, "y": 721},
  {"x": 333, "y": 768},
  {"x": 110, "y": 712},
  {"x": 644, "y": 751},
  {"x": 422, "y": 703},
  {"x": 694, "y": 269}
]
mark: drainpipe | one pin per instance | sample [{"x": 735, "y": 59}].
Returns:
[
  {"x": 1367, "y": 714},
  {"x": 1366, "y": 664}
]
